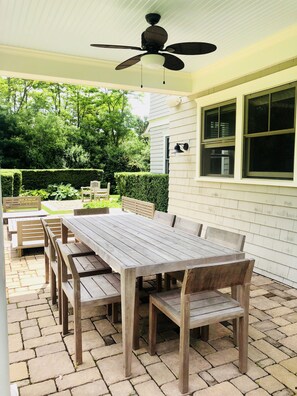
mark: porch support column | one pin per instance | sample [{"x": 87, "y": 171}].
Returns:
[{"x": 4, "y": 361}]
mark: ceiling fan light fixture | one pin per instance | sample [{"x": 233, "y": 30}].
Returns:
[{"x": 153, "y": 61}]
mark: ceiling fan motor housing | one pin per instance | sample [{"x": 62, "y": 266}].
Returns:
[{"x": 152, "y": 18}]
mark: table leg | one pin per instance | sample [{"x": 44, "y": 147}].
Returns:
[{"x": 128, "y": 280}]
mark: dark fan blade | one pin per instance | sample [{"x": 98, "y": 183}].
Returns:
[
  {"x": 172, "y": 62},
  {"x": 129, "y": 62},
  {"x": 155, "y": 34},
  {"x": 190, "y": 48},
  {"x": 116, "y": 46}
]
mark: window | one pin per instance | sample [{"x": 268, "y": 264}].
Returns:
[
  {"x": 218, "y": 140},
  {"x": 167, "y": 154},
  {"x": 270, "y": 133}
]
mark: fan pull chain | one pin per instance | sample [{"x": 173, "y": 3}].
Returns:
[
  {"x": 141, "y": 82},
  {"x": 164, "y": 75}
]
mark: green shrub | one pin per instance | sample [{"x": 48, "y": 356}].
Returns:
[
  {"x": 41, "y": 178},
  {"x": 61, "y": 192},
  {"x": 111, "y": 203},
  {"x": 151, "y": 187},
  {"x": 11, "y": 182},
  {"x": 43, "y": 194}
]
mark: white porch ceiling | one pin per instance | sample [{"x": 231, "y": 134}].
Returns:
[{"x": 67, "y": 27}]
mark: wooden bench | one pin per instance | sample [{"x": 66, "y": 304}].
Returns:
[
  {"x": 29, "y": 234},
  {"x": 21, "y": 203},
  {"x": 20, "y": 207},
  {"x": 143, "y": 208}
]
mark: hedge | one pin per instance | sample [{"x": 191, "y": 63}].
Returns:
[
  {"x": 146, "y": 186},
  {"x": 11, "y": 180},
  {"x": 41, "y": 178}
]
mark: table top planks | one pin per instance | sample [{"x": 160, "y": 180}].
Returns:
[{"x": 133, "y": 241}]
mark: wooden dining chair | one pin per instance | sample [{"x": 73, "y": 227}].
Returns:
[
  {"x": 84, "y": 259},
  {"x": 199, "y": 303},
  {"x": 234, "y": 241},
  {"x": 90, "y": 211},
  {"x": 90, "y": 190},
  {"x": 164, "y": 218},
  {"x": 89, "y": 291},
  {"x": 190, "y": 227}
]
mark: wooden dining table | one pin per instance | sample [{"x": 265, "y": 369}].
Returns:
[{"x": 136, "y": 246}]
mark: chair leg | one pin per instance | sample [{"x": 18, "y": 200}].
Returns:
[
  {"x": 53, "y": 287},
  {"x": 140, "y": 283},
  {"x": 205, "y": 333},
  {"x": 235, "y": 322},
  {"x": 243, "y": 344},
  {"x": 114, "y": 312},
  {"x": 152, "y": 328},
  {"x": 46, "y": 268},
  {"x": 159, "y": 282},
  {"x": 184, "y": 350},
  {"x": 167, "y": 281},
  {"x": 64, "y": 313},
  {"x": 77, "y": 333}
]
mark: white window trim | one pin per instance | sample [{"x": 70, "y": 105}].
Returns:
[
  {"x": 164, "y": 152},
  {"x": 238, "y": 93}
]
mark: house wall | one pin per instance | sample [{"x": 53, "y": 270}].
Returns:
[
  {"x": 157, "y": 151},
  {"x": 158, "y": 129},
  {"x": 264, "y": 210}
]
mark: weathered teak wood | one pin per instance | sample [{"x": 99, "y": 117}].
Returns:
[
  {"x": 143, "y": 208},
  {"x": 191, "y": 227},
  {"x": 164, "y": 218},
  {"x": 21, "y": 203},
  {"x": 93, "y": 290},
  {"x": 136, "y": 246},
  {"x": 90, "y": 211},
  {"x": 234, "y": 241},
  {"x": 29, "y": 235},
  {"x": 199, "y": 303},
  {"x": 23, "y": 215},
  {"x": 90, "y": 190},
  {"x": 85, "y": 261},
  {"x": 102, "y": 192},
  {"x": 225, "y": 238}
]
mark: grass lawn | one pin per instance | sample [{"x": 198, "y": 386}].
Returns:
[{"x": 113, "y": 202}]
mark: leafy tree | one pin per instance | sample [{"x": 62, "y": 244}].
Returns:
[{"x": 52, "y": 125}]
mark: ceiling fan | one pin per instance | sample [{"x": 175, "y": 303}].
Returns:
[{"x": 152, "y": 43}]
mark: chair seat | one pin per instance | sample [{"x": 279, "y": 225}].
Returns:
[
  {"x": 91, "y": 263},
  {"x": 205, "y": 307},
  {"x": 77, "y": 248},
  {"x": 105, "y": 289}
]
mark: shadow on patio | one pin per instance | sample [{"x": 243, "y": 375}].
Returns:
[{"x": 41, "y": 358}]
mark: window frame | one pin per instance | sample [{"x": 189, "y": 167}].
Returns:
[
  {"x": 166, "y": 150},
  {"x": 219, "y": 142},
  {"x": 248, "y": 136}
]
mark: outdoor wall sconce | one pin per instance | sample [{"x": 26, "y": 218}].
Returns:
[
  {"x": 173, "y": 101},
  {"x": 177, "y": 148}
]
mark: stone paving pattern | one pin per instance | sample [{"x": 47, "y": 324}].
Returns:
[{"x": 41, "y": 359}]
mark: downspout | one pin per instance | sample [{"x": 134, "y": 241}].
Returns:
[{"x": 4, "y": 361}]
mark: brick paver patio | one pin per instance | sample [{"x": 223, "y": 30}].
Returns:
[{"x": 41, "y": 358}]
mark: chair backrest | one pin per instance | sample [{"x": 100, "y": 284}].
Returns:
[
  {"x": 189, "y": 226},
  {"x": 164, "y": 218},
  {"x": 225, "y": 238},
  {"x": 143, "y": 208},
  {"x": 90, "y": 211},
  {"x": 95, "y": 184},
  {"x": 129, "y": 204},
  {"x": 19, "y": 203},
  {"x": 29, "y": 230},
  {"x": 217, "y": 276},
  {"x": 66, "y": 261}
]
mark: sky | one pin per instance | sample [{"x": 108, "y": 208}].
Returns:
[{"x": 140, "y": 106}]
